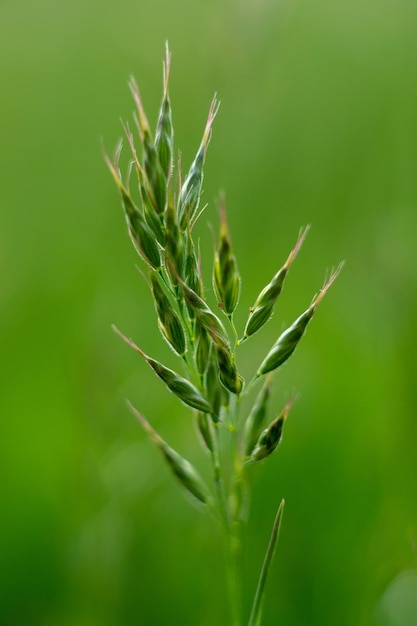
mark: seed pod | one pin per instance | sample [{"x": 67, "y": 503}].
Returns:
[
  {"x": 168, "y": 321},
  {"x": 226, "y": 278},
  {"x": 228, "y": 374},
  {"x": 139, "y": 231},
  {"x": 288, "y": 340},
  {"x": 189, "y": 197},
  {"x": 256, "y": 418},
  {"x": 182, "y": 388},
  {"x": 204, "y": 428},
  {"x": 155, "y": 176},
  {"x": 164, "y": 138},
  {"x": 262, "y": 310},
  {"x": 187, "y": 475},
  {"x": 271, "y": 436}
]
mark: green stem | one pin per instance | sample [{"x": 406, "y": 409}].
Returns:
[
  {"x": 255, "y": 618},
  {"x": 232, "y": 324},
  {"x": 228, "y": 533}
]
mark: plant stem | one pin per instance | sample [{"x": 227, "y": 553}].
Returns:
[
  {"x": 228, "y": 533},
  {"x": 255, "y": 618}
]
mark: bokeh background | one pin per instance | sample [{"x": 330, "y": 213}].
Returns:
[{"x": 317, "y": 125}]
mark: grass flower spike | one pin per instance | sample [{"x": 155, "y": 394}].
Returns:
[{"x": 233, "y": 422}]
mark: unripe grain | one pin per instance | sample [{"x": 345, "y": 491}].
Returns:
[
  {"x": 264, "y": 305},
  {"x": 256, "y": 418},
  {"x": 141, "y": 235},
  {"x": 228, "y": 374},
  {"x": 289, "y": 339},
  {"x": 164, "y": 138},
  {"x": 187, "y": 475},
  {"x": 155, "y": 175},
  {"x": 204, "y": 315},
  {"x": 189, "y": 197},
  {"x": 168, "y": 320},
  {"x": 181, "y": 387},
  {"x": 226, "y": 278},
  {"x": 270, "y": 438}
]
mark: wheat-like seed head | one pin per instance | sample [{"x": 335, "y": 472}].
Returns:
[{"x": 160, "y": 226}]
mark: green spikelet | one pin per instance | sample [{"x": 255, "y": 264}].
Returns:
[
  {"x": 189, "y": 198},
  {"x": 289, "y": 339},
  {"x": 202, "y": 349},
  {"x": 141, "y": 235},
  {"x": 270, "y": 438},
  {"x": 174, "y": 246},
  {"x": 181, "y": 387},
  {"x": 263, "y": 308},
  {"x": 257, "y": 417},
  {"x": 204, "y": 428},
  {"x": 164, "y": 137},
  {"x": 187, "y": 475},
  {"x": 205, "y": 316},
  {"x": 168, "y": 320},
  {"x": 152, "y": 218},
  {"x": 226, "y": 278},
  {"x": 156, "y": 179},
  {"x": 214, "y": 388},
  {"x": 228, "y": 374}
]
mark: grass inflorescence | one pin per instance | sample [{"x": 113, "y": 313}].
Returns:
[{"x": 204, "y": 338}]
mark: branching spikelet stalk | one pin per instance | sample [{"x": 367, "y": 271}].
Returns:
[{"x": 161, "y": 229}]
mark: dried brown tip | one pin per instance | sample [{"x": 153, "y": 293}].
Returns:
[
  {"x": 142, "y": 121},
  {"x": 224, "y": 228},
  {"x": 129, "y": 342},
  {"x": 333, "y": 275},
  {"x": 288, "y": 406},
  {"x": 199, "y": 214},
  {"x": 129, "y": 137},
  {"x": 295, "y": 250},
  {"x": 166, "y": 68},
  {"x": 214, "y": 107},
  {"x": 113, "y": 164},
  {"x": 144, "y": 423}
]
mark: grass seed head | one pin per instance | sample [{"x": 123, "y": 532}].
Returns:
[
  {"x": 204, "y": 315},
  {"x": 192, "y": 270},
  {"x": 189, "y": 198},
  {"x": 228, "y": 374},
  {"x": 270, "y": 438},
  {"x": 168, "y": 320},
  {"x": 289, "y": 339},
  {"x": 202, "y": 349},
  {"x": 257, "y": 417},
  {"x": 155, "y": 176},
  {"x": 174, "y": 246},
  {"x": 153, "y": 219},
  {"x": 181, "y": 387},
  {"x": 187, "y": 475},
  {"x": 262, "y": 310},
  {"x": 286, "y": 343},
  {"x": 226, "y": 278},
  {"x": 214, "y": 388},
  {"x": 141, "y": 235},
  {"x": 164, "y": 137},
  {"x": 204, "y": 428}
]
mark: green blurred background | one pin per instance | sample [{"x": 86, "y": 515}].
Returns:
[{"x": 317, "y": 125}]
